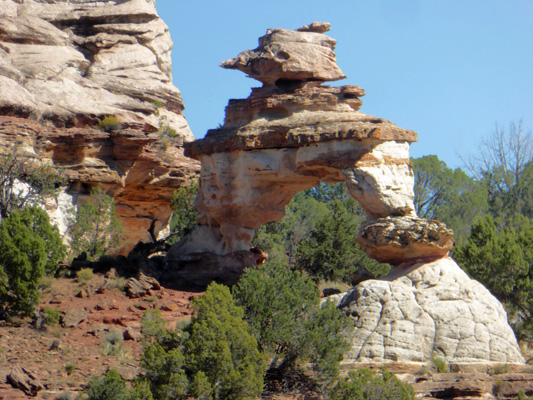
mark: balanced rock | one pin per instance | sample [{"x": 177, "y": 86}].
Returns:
[
  {"x": 436, "y": 309},
  {"x": 302, "y": 55},
  {"x": 407, "y": 239},
  {"x": 64, "y": 66}
]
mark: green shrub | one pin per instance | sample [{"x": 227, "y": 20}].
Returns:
[
  {"x": 42, "y": 181},
  {"x": 70, "y": 368},
  {"x": 96, "y": 228},
  {"x": 111, "y": 387},
  {"x": 38, "y": 221},
  {"x": 330, "y": 251},
  {"x": 499, "y": 370},
  {"x": 439, "y": 363},
  {"x": 283, "y": 308},
  {"x": 84, "y": 275},
  {"x": 215, "y": 357},
  {"x": 167, "y": 135},
  {"x": 112, "y": 345},
  {"x": 364, "y": 384},
  {"x": 184, "y": 212},
  {"x": 29, "y": 247},
  {"x": 46, "y": 282},
  {"x": 52, "y": 315},
  {"x": 522, "y": 395},
  {"x": 109, "y": 123}
]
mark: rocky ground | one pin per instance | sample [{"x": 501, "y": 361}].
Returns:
[
  {"x": 65, "y": 356},
  {"x": 94, "y": 313}
]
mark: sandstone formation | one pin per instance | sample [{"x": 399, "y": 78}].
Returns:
[
  {"x": 287, "y": 136},
  {"x": 26, "y": 380},
  {"x": 293, "y": 133},
  {"x": 404, "y": 240},
  {"x": 436, "y": 309},
  {"x": 64, "y": 66}
]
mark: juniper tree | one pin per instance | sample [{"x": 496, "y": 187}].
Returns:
[{"x": 96, "y": 228}]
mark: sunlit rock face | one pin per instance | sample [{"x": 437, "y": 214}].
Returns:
[
  {"x": 435, "y": 309},
  {"x": 64, "y": 65},
  {"x": 287, "y": 136},
  {"x": 295, "y": 132}
]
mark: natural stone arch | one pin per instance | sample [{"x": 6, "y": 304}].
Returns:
[
  {"x": 290, "y": 135},
  {"x": 242, "y": 190},
  {"x": 293, "y": 133}
]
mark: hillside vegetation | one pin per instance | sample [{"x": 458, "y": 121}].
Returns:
[{"x": 271, "y": 329}]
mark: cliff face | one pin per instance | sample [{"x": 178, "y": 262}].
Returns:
[{"x": 64, "y": 66}]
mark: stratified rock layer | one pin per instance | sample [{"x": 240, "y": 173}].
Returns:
[
  {"x": 434, "y": 310},
  {"x": 128, "y": 164},
  {"x": 289, "y": 135},
  {"x": 407, "y": 239},
  {"x": 72, "y": 62},
  {"x": 64, "y": 65}
]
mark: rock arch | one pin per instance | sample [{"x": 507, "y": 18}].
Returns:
[
  {"x": 293, "y": 133},
  {"x": 289, "y": 135}
]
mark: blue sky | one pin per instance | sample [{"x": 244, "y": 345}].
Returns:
[{"x": 450, "y": 70}]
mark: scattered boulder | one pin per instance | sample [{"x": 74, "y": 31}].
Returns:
[
  {"x": 83, "y": 293},
  {"x": 73, "y": 317},
  {"x": 136, "y": 288},
  {"x": 56, "y": 299},
  {"x": 167, "y": 306},
  {"x": 26, "y": 380},
  {"x": 104, "y": 305},
  {"x": 128, "y": 372},
  {"x": 131, "y": 334},
  {"x": 149, "y": 281}
]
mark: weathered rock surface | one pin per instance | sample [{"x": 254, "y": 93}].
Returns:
[
  {"x": 26, "y": 380},
  {"x": 434, "y": 309},
  {"x": 141, "y": 287},
  {"x": 304, "y": 55},
  {"x": 73, "y": 317},
  {"x": 405, "y": 240},
  {"x": 63, "y": 67},
  {"x": 288, "y": 136},
  {"x": 68, "y": 61},
  {"x": 129, "y": 165}
]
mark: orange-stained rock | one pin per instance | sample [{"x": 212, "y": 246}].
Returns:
[
  {"x": 127, "y": 163},
  {"x": 288, "y": 136},
  {"x": 407, "y": 239},
  {"x": 64, "y": 66}
]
